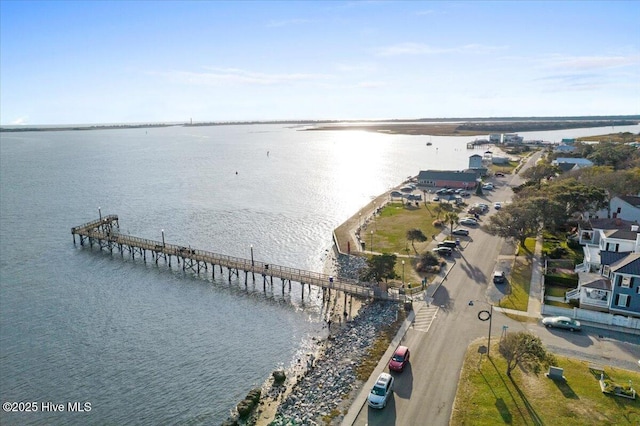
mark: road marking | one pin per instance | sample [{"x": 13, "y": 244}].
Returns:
[{"x": 424, "y": 318}]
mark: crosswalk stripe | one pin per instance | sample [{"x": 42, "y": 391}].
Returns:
[{"x": 424, "y": 318}]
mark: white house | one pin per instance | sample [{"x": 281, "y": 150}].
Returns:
[
  {"x": 605, "y": 241},
  {"x": 625, "y": 207}
]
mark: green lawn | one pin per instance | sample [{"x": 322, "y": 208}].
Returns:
[
  {"x": 519, "y": 284},
  {"x": 487, "y": 396}
]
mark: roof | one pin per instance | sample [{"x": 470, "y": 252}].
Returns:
[
  {"x": 629, "y": 265},
  {"x": 593, "y": 280},
  {"x": 613, "y": 223},
  {"x": 621, "y": 234},
  {"x": 611, "y": 257},
  {"x": 601, "y": 284},
  {"x": 580, "y": 161},
  {"x": 565, "y": 167},
  {"x": 447, "y": 175}
]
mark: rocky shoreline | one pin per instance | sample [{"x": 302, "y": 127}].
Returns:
[
  {"x": 322, "y": 385},
  {"x": 329, "y": 383}
]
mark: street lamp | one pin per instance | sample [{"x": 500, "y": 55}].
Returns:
[
  {"x": 360, "y": 219},
  {"x": 403, "y": 273},
  {"x": 485, "y": 315},
  {"x": 100, "y": 213},
  {"x": 252, "y": 264},
  {"x": 163, "y": 238}
]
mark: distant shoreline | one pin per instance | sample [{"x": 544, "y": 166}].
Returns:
[{"x": 435, "y": 126}]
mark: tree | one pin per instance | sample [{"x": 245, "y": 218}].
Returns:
[
  {"x": 523, "y": 349},
  {"x": 612, "y": 154},
  {"x": 451, "y": 218},
  {"x": 541, "y": 170},
  {"x": 517, "y": 220},
  {"x": 577, "y": 196},
  {"x": 415, "y": 235},
  {"x": 380, "y": 267}
]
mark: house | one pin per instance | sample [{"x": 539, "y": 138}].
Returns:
[
  {"x": 495, "y": 138},
  {"x": 594, "y": 292},
  {"x": 511, "y": 138},
  {"x": 566, "y": 146},
  {"x": 625, "y": 285},
  {"x": 451, "y": 179},
  {"x": 626, "y": 207},
  {"x": 602, "y": 238},
  {"x": 578, "y": 162},
  {"x": 475, "y": 161},
  {"x": 609, "y": 277}
]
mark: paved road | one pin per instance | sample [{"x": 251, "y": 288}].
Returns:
[{"x": 425, "y": 391}]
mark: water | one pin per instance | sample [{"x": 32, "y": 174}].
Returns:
[{"x": 146, "y": 344}]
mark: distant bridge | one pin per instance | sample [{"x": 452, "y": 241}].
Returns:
[{"x": 105, "y": 233}]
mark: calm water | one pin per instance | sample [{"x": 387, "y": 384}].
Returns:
[{"x": 148, "y": 345}]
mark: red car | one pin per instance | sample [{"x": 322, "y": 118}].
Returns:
[{"x": 399, "y": 359}]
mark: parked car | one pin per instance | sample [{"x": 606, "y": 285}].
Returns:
[
  {"x": 448, "y": 243},
  {"x": 399, "y": 359},
  {"x": 488, "y": 186},
  {"x": 497, "y": 206},
  {"x": 436, "y": 198},
  {"x": 499, "y": 277},
  {"x": 499, "y": 174},
  {"x": 468, "y": 221},
  {"x": 460, "y": 231},
  {"x": 562, "y": 322},
  {"x": 381, "y": 391},
  {"x": 443, "y": 251}
]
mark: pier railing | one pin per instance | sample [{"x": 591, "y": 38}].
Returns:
[{"x": 105, "y": 233}]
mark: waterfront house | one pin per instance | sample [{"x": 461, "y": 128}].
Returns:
[{"x": 445, "y": 178}]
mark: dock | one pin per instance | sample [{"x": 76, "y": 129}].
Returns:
[{"x": 105, "y": 234}]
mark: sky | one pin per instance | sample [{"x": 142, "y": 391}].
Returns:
[{"x": 87, "y": 62}]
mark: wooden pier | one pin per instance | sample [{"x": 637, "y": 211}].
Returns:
[{"x": 105, "y": 233}]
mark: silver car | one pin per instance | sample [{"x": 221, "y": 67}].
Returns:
[
  {"x": 561, "y": 322},
  {"x": 381, "y": 391}
]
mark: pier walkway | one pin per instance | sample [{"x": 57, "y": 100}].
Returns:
[{"x": 105, "y": 233}]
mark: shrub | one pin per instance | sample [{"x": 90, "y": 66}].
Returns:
[{"x": 279, "y": 376}]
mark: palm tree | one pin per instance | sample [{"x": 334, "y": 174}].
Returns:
[{"x": 451, "y": 218}]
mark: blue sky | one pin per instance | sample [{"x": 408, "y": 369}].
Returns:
[{"x": 112, "y": 62}]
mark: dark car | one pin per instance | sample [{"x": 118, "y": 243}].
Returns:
[
  {"x": 399, "y": 359},
  {"x": 460, "y": 231},
  {"x": 448, "y": 243},
  {"x": 443, "y": 251}
]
